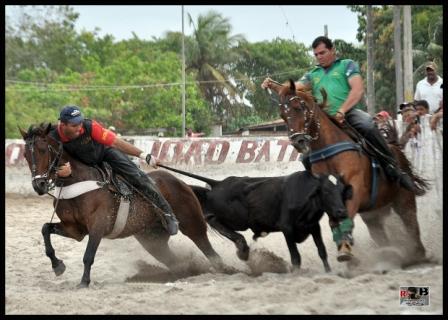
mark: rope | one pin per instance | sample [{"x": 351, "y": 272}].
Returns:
[{"x": 56, "y": 205}]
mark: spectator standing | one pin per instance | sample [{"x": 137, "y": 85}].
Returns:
[
  {"x": 421, "y": 107},
  {"x": 410, "y": 126},
  {"x": 429, "y": 88}
]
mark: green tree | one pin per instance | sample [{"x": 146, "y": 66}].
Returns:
[
  {"x": 42, "y": 37},
  {"x": 427, "y": 41},
  {"x": 280, "y": 59},
  {"x": 209, "y": 58}
]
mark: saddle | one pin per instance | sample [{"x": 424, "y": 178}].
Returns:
[
  {"x": 115, "y": 182},
  {"x": 365, "y": 145}
]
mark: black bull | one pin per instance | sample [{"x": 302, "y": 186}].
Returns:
[{"x": 292, "y": 204}]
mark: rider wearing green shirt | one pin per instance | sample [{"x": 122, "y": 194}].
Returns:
[
  {"x": 343, "y": 83},
  {"x": 334, "y": 80}
]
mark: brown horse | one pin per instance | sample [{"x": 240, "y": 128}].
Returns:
[
  {"x": 331, "y": 150},
  {"x": 94, "y": 213}
]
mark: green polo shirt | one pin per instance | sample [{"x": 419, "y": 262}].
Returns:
[{"x": 335, "y": 82}]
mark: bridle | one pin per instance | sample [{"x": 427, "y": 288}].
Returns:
[
  {"x": 309, "y": 118},
  {"x": 52, "y": 164}
]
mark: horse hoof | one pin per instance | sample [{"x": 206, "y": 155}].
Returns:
[
  {"x": 59, "y": 269},
  {"x": 343, "y": 257},
  {"x": 243, "y": 254},
  {"x": 344, "y": 252}
]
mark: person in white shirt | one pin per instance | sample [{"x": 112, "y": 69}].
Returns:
[{"x": 429, "y": 88}]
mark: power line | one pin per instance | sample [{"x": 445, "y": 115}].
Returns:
[
  {"x": 287, "y": 23},
  {"x": 47, "y": 86}
]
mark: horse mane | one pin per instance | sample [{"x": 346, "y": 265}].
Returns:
[{"x": 38, "y": 130}]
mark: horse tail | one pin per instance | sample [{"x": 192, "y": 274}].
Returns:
[
  {"x": 421, "y": 184},
  {"x": 201, "y": 194},
  {"x": 211, "y": 182}
]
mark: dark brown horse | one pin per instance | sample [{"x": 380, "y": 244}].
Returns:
[
  {"x": 94, "y": 213},
  {"x": 312, "y": 132}
]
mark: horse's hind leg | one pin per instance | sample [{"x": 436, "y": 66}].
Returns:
[
  {"x": 374, "y": 221},
  {"x": 197, "y": 232},
  {"x": 89, "y": 256},
  {"x": 406, "y": 207},
  {"x": 156, "y": 243}
]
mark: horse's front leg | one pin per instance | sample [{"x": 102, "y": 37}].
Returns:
[
  {"x": 342, "y": 232},
  {"x": 89, "y": 257},
  {"x": 56, "y": 228}
]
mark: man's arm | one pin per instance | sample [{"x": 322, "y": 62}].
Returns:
[
  {"x": 302, "y": 86},
  {"x": 126, "y": 147},
  {"x": 267, "y": 83},
  {"x": 355, "y": 94},
  {"x": 132, "y": 150},
  {"x": 435, "y": 119},
  {"x": 417, "y": 93}
]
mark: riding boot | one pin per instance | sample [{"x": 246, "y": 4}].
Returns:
[
  {"x": 388, "y": 163},
  {"x": 153, "y": 194}
]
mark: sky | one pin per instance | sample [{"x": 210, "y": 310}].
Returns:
[{"x": 257, "y": 23}]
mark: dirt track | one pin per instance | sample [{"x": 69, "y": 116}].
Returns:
[{"x": 126, "y": 280}]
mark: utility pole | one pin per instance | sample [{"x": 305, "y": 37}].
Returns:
[
  {"x": 398, "y": 58},
  {"x": 183, "y": 75},
  {"x": 407, "y": 56},
  {"x": 325, "y": 30},
  {"x": 370, "y": 64}
]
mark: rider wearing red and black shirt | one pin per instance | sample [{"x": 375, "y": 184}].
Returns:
[{"x": 90, "y": 143}]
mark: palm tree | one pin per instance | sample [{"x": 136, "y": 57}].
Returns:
[{"x": 211, "y": 55}]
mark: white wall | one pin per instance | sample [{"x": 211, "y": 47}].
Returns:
[{"x": 239, "y": 156}]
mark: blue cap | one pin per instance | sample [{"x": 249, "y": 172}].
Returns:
[{"x": 71, "y": 114}]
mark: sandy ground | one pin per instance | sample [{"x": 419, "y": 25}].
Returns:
[{"x": 127, "y": 280}]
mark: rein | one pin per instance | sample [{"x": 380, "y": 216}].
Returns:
[
  {"x": 52, "y": 165},
  {"x": 269, "y": 91},
  {"x": 307, "y": 111}
]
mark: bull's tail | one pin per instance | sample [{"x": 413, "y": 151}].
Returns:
[{"x": 211, "y": 182}]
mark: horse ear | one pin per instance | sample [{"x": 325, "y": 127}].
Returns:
[
  {"x": 23, "y": 133},
  {"x": 292, "y": 85},
  {"x": 47, "y": 129}
]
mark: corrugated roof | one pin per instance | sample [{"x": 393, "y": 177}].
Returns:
[{"x": 274, "y": 123}]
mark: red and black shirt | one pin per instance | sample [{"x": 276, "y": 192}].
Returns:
[{"x": 89, "y": 146}]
